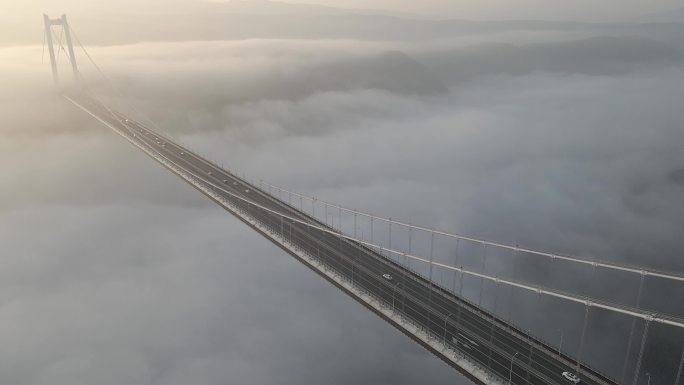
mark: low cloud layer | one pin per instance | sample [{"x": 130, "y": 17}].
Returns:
[{"x": 115, "y": 271}]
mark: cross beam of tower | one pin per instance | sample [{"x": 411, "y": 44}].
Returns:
[{"x": 62, "y": 21}]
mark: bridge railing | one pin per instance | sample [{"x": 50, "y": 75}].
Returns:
[
  {"x": 243, "y": 207},
  {"x": 430, "y": 323},
  {"x": 346, "y": 273},
  {"x": 426, "y": 327},
  {"x": 427, "y": 324}
]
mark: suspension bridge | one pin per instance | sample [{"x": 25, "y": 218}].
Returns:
[{"x": 392, "y": 267}]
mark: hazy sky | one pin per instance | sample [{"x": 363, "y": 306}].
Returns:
[
  {"x": 580, "y": 10},
  {"x": 113, "y": 271},
  {"x": 522, "y": 9}
]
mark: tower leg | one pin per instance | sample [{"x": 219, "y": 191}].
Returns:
[
  {"x": 51, "y": 50},
  {"x": 70, "y": 47}
]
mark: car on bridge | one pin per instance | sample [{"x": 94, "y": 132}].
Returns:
[
  {"x": 572, "y": 377},
  {"x": 387, "y": 277}
]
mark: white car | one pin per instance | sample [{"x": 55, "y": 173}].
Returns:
[
  {"x": 387, "y": 277},
  {"x": 209, "y": 173},
  {"x": 572, "y": 377},
  {"x": 182, "y": 153},
  {"x": 225, "y": 181},
  {"x": 247, "y": 190}
]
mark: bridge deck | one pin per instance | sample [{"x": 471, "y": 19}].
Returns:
[{"x": 456, "y": 323}]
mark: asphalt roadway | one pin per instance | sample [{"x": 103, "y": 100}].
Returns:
[{"x": 483, "y": 338}]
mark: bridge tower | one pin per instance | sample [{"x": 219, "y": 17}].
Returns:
[{"x": 62, "y": 21}]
